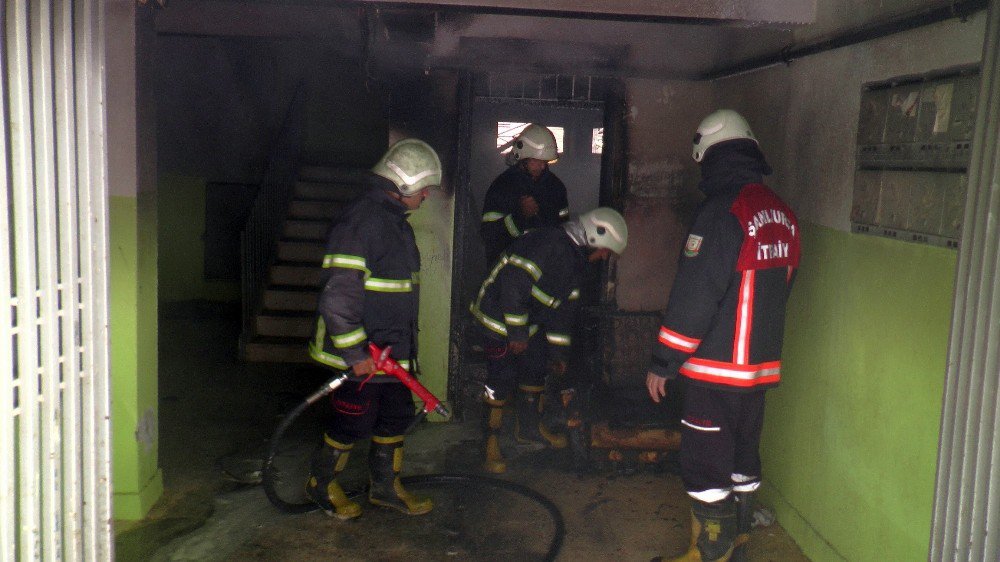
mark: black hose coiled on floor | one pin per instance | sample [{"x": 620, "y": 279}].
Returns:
[{"x": 267, "y": 475}]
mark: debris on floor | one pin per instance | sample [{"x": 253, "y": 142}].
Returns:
[{"x": 216, "y": 416}]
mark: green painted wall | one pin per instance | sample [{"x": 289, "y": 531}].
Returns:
[
  {"x": 181, "y": 245},
  {"x": 434, "y": 226},
  {"x": 137, "y": 480},
  {"x": 851, "y": 436}
]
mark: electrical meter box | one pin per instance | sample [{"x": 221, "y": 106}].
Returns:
[{"x": 913, "y": 148}]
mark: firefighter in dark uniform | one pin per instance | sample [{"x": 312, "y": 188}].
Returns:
[
  {"x": 371, "y": 295},
  {"x": 722, "y": 331},
  {"x": 527, "y": 195},
  {"x": 531, "y": 294}
]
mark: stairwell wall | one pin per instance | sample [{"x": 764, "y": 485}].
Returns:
[
  {"x": 220, "y": 104},
  {"x": 181, "y": 229},
  {"x": 137, "y": 479}
]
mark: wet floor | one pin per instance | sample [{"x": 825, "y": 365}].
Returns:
[{"x": 216, "y": 417}]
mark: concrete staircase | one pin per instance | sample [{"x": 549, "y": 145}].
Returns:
[{"x": 287, "y": 308}]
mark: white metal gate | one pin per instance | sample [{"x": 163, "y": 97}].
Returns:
[
  {"x": 55, "y": 497},
  {"x": 966, "y": 523}
]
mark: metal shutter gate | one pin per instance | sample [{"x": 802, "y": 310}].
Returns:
[
  {"x": 55, "y": 497},
  {"x": 966, "y": 521}
]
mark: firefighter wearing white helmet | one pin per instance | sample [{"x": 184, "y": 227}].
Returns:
[
  {"x": 525, "y": 196},
  {"x": 720, "y": 126},
  {"x": 722, "y": 331},
  {"x": 535, "y": 141},
  {"x": 526, "y": 310},
  {"x": 603, "y": 228},
  {"x": 370, "y": 295},
  {"x": 411, "y": 165}
]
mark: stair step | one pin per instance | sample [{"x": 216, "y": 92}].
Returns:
[
  {"x": 285, "y": 324},
  {"x": 290, "y": 298},
  {"x": 300, "y": 229},
  {"x": 324, "y": 191},
  {"x": 277, "y": 350},
  {"x": 311, "y": 209},
  {"x": 297, "y": 275},
  {"x": 302, "y": 252}
]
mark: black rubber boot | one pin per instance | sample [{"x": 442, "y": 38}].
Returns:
[
  {"x": 322, "y": 487},
  {"x": 529, "y": 428},
  {"x": 494, "y": 462},
  {"x": 385, "y": 461},
  {"x": 744, "y": 521}
]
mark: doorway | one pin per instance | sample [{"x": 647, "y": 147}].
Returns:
[{"x": 577, "y": 120}]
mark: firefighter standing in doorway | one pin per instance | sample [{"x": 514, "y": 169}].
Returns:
[
  {"x": 531, "y": 293},
  {"x": 722, "y": 331},
  {"x": 371, "y": 294},
  {"x": 527, "y": 195}
]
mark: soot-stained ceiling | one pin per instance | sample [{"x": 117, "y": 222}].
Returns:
[
  {"x": 657, "y": 39},
  {"x": 630, "y": 38}
]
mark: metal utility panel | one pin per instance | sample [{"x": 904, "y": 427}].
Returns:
[
  {"x": 915, "y": 206},
  {"x": 913, "y": 146}
]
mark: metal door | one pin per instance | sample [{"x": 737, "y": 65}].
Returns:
[
  {"x": 55, "y": 491},
  {"x": 579, "y": 166},
  {"x": 581, "y": 117}
]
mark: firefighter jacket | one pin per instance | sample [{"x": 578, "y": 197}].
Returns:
[
  {"x": 502, "y": 221},
  {"x": 371, "y": 293},
  {"x": 724, "y": 322},
  {"x": 534, "y": 285}
]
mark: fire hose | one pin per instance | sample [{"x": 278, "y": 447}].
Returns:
[{"x": 387, "y": 365}]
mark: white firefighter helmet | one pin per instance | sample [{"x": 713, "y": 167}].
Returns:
[
  {"x": 719, "y": 126},
  {"x": 605, "y": 228},
  {"x": 411, "y": 165},
  {"x": 534, "y": 141}
]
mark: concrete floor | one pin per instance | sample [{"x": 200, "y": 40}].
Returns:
[{"x": 216, "y": 416}]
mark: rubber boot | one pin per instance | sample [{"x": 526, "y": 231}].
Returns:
[
  {"x": 529, "y": 428},
  {"x": 322, "y": 487},
  {"x": 713, "y": 532},
  {"x": 385, "y": 461},
  {"x": 744, "y": 521},
  {"x": 494, "y": 463},
  {"x": 555, "y": 419}
]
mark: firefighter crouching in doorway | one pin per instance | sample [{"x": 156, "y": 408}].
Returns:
[
  {"x": 530, "y": 296},
  {"x": 722, "y": 331},
  {"x": 371, "y": 294},
  {"x": 526, "y": 195}
]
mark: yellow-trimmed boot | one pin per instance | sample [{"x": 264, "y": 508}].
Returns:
[
  {"x": 494, "y": 462},
  {"x": 529, "y": 427},
  {"x": 713, "y": 532},
  {"x": 322, "y": 487},
  {"x": 385, "y": 461}
]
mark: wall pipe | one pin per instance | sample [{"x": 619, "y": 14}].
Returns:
[{"x": 958, "y": 9}]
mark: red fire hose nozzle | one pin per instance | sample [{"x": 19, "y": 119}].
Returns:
[{"x": 389, "y": 366}]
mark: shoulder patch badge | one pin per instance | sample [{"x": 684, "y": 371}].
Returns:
[{"x": 693, "y": 245}]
